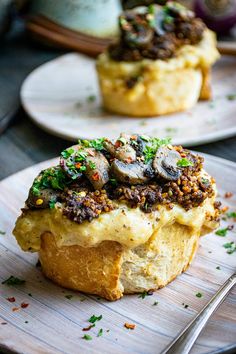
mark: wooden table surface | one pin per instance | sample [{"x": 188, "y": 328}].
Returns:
[{"x": 23, "y": 144}]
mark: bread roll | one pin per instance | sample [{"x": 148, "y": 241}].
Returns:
[{"x": 138, "y": 82}]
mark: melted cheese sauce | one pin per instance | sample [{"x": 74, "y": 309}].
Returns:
[
  {"x": 129, "y": 227},
  {"x": 203, "y": 54}
]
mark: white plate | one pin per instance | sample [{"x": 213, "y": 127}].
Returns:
[
  {"x": 58, "y": 94},
  {"x": 53, "y": 324}
]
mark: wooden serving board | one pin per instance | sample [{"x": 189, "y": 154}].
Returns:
[{"x": 53, "y": 321}]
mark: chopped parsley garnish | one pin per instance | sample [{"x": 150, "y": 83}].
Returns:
[
  {"x": 230, "y": 246},
  {"x": 35, "y": 189},
  {"x": 113, "y": 181},
  {"x": 80, "y": 155},
  {"x": 152, "y": 146},
  {"x": 231, "y": 214},
  {"x": 52, "y": 204},
  {"x": 122, "y": 21},
  {"x": 222, "y": 232},
  {"x": 199, "y": 295},
  {"x": 97, "y": 144},
  {"x": 13, "y": 281},
  {"x": 151, "y": 17},
  {"x": 155, "y": 303},
  {"x": 184, "y": 162},
  {"x": 53, "y": 177},
  {"x": 151, "y": 9},
  {"x": 231, "y": 97},
  {"x": 100, "y": 332},
  {"x": 67, "y": 153},
  {"x": 2, "y": 232},
  {"x": 91, "y": 98},
  {"x": 145, "y": 293},
  {"x": 69, "y": 297},
  {"x": 205, "y": 180},
  {"x": 87, "y": 337},
  {"x": 218, "y": 268},
  {"x": 94, "y": 318},
  {"x": 92, "y": 165},
  {"x": 168, "y": 19},
  {"x": 145, "y": 138}
]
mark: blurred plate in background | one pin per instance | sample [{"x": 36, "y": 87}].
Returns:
[{"x": 62, "y": 97}]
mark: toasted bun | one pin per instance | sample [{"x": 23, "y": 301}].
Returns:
[
  {"x": 110, "y": 265},
  {"x": 163, "y": 86},
  {"x": 109, "y": 270}
]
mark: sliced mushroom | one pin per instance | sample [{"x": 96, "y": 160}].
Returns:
[
  {"x": 97, "y": 168},
  {"x": 110, "y": 147},
  {"x": 43, "y": 199},
  {"x": 124, "y": 152},
  {"x": 68, "y": 164},
  {"x": 165, "y": 164},
  {"x": 135, "y": 30},
  {"x": 158, "y": 21},
  {"x": 179, "y": 11},
  {"x": 140, "y": 145},
  {"x": 132, "y": 173}
]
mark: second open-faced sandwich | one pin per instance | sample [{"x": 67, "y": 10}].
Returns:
[
  {"x": 161, "y": 63},
  {"x": 118, "y": 217}
]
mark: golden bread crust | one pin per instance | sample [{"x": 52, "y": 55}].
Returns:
[
  {"x": 110, "y": 270},
  {"x": 94, "y": 270}
]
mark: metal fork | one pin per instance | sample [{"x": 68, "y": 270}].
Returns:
[{"x": 186, "y": 339}]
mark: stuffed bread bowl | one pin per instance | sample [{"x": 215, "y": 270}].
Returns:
[
  {"x": 161, "y": 64},
  {"x": 118, "y": 217}
]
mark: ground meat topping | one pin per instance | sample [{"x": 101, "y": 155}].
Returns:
[
  {"x": 155, "y": 32},
  {"x": 86, "y": 205},
  {"x": 141, "y": 172}
]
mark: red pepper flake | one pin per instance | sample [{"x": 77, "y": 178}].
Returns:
[
  {"x": 129, "y": 325},
  {"x": 14, "y": 309},
  {"x": 78, "y": 165},
  {"x": 228, "y": 194},
  {"x": 96, "y": 176},
  {"x": 24, "y": 305},
  {"x": 88, "y": 328},
  {"x": 11, "y": 299},
  {"x": 118, "y": 144}
]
